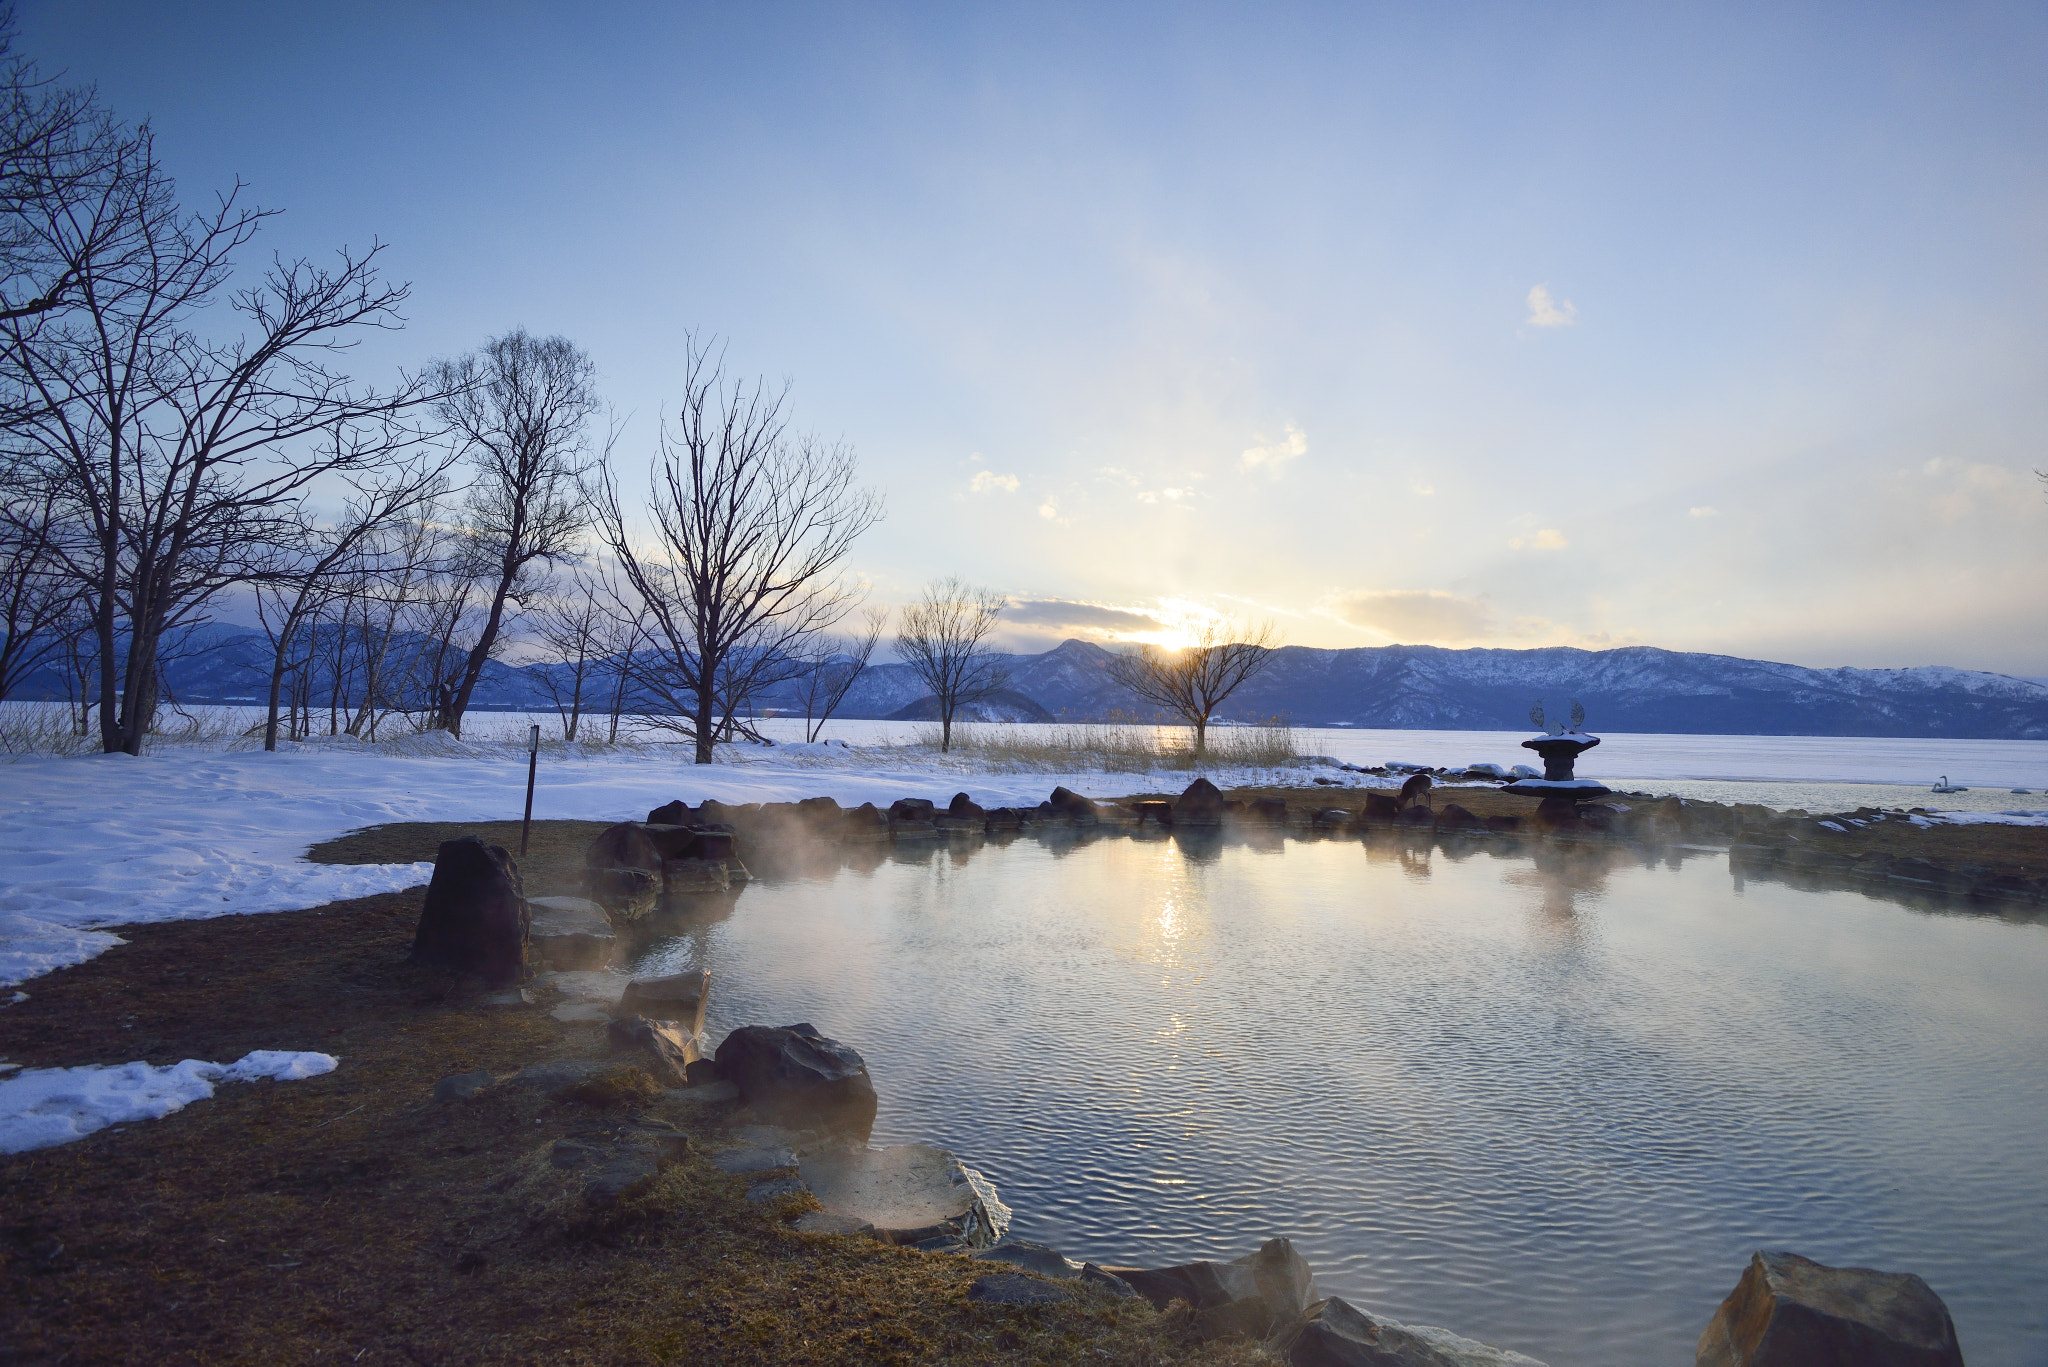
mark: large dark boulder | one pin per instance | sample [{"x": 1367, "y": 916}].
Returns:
[
  {"x": 1456, "y": 818},
  {"x": 866, "y": 822},
  {"x": 1271, "y": 810},
  {"x": 1416, "y": 816},
  {"x": 1790, "y": 1310},
  {"x": 476, "y": 919},
  {"x": 1071, "y": 805},
  {"x": 819, "y": 813},
  {"x": 911, "y": 809},
  {"x": 675, "y": 813},
  {"x": 1200, "y": 804},
  {"x": 1381, "y": 807},
  {"x": 794, "y": 1076},
  {"x": 965, "y": 808},
  {"x": 628, "y": 845}
]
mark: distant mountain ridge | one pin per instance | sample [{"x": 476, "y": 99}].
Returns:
[{"x": 1632, "y": 688}]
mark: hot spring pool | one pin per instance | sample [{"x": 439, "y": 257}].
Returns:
[{"x": 1548, "y": 1098}]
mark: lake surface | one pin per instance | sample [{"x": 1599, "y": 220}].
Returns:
[{"x": 1549, "y": 1099}]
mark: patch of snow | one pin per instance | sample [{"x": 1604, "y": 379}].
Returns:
[{"x": 44, "y": 1107}]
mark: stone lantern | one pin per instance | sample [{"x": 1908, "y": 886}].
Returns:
[{"x": 1560, "y": 746}]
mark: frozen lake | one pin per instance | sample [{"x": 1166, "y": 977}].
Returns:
[{"x": 1549, "y": 1100}]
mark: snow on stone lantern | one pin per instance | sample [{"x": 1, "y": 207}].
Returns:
[{"x": 1560, "y": 746}]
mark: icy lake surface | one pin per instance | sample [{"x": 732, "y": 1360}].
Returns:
[{"x": 1552, "y": 1103}]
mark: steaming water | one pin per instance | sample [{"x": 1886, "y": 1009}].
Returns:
[{"x": 1552, "y": 1103}]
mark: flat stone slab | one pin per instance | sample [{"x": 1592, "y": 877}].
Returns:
[
  {"x": 581, "y": 1013},
  {"x": 1332, "y": 1331},
  {"x": 570, "y": 933},
  {"x": 1014, "y": 1288},
  {"x": 906, "y": 1191},
  {"x": 1045, "y": 1261}
]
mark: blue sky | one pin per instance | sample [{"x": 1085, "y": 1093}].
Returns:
[{"x": 1716, "y": 328}]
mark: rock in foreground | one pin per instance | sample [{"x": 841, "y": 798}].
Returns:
[
  {"x": 1276, "y": 1276},
  {"x": 1332, "y": 1333},
  {"x": 794, "y": 1076},
  {"x": 909, "y": 1193},
  {"x": 570, "y": 934},
  {"x": 475, "y": 919},
  {"x": 1788, "y": 1310}
]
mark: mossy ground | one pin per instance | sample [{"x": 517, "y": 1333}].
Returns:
[{"x": 349, "y": 1218}]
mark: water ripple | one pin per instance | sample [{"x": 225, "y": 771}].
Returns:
[{"x": 1550, "y": 1104}]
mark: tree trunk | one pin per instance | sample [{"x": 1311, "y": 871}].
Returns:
[
  {"x": 276, "y": 691},
  {"x": 1201, "y": 736},
  {"x": 473, "y": 667},
  {"x": 707, "y": 711}
]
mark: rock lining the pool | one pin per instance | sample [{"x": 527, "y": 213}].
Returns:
[{"x": 792, "y": 1108}]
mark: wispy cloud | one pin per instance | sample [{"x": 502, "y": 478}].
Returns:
[
  {"x": 1415, "y": 616},
  {"x": 1071, "y": 614},
  {"x": 1545, "y": 312},
  {"x": 1419, "y": 488},
  {"x": 1704, "y": 511},
  {"x": 1270, "y": 456},
  {"x": 986, "y": 481},
  {"x": 1164, "y": 495},
  {"x": 1546, "y": 539}
]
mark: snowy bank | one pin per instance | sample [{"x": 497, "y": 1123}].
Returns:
[
  {"x": 105, "y": 840},
  {"x": 43, "y": 1107}
]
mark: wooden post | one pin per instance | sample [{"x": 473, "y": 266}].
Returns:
[{"x": 532, "y": 764}]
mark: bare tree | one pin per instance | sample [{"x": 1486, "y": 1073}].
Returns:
[
  {"x": 944, "y": 640},
  {"x": 751, "y": 527},
  {"x": 36, "y": 598},
  {"x": 1190, "y": 683},
  {"x": 521, "y": 406},
  {"x": 317, "y": 564},
  {"x": 831, "y": 667},
  {"x": 178, "y": 453},
  {"x": 579, "y": 630}
]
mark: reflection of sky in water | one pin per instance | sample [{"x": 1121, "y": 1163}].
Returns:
[{"x": 1551, "y": 1100}]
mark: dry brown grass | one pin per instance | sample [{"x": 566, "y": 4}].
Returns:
[{"x": 349, "y": 1218}]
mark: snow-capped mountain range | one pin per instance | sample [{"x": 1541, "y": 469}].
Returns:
[{"x": 1635, "y": 688}]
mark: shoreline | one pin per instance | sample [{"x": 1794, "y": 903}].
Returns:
[{"x": 144, "y": 998}]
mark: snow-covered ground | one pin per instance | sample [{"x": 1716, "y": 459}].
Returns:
[
  {"x": 196, "y": 830},
  {"x": 41, "y": 1107}
]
